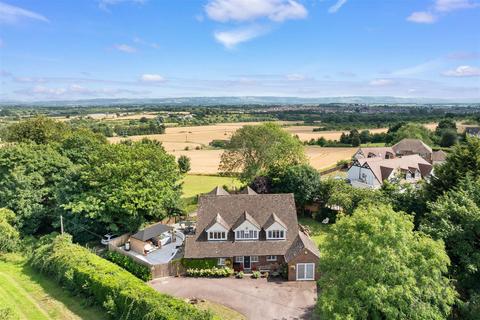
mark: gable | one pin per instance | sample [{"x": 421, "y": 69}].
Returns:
[
  {"x": 276, "y": 226},
  {"x": 246, "y": 225},
  {"x": 216, "y": 227}
]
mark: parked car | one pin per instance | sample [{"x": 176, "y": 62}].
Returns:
[{"x": 107, "y": 238}]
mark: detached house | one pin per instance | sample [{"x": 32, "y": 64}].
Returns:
[
  {"x": 253, "y": 231},
  {"x": 371, "y": 172}
]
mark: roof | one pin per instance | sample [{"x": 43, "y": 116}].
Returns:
[
  {"x": 248, "y": 190},
  {"x": 245, "y": 217},
  {"x": 259, "y": 207},
  {"x": 218, "y": 191},
  {"x": 301, "y": 242},
  {"x": 272, "y": 219},
  {"x": 218, "y": 219},
  {"x": 377, "y": 151},
  {"x": 472, "y": 130},
  {"x": 411, "y": 146},
  {"x": 382, "y": 168},
  {"x": 439, "y": 155},
  {"x": 152, "y": 231}
]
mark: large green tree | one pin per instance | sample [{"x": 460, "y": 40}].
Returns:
[
  {"x": 413, "y": 131},
  {"x": 40, "y": 130},
  {"x": 29, "y": 174},
  {"x": 9, "y": 236},
  {"x": 124, "y": 186},
  {"x": 374, "y": 266},
  {"x": 255, "y": 150},
  {"x": 455, "y": 219}
]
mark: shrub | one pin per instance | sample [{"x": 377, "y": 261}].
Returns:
[
  {"x": 9, "y": 236},
  {"x": 106, "y": 284},
  {"x": 139, "y": 270},
  {"x": 256, "y": 274},
  {"x": 212, "y": 273},
  {"x": 199, "y": 263},
  {"x": 239, "y": 275}
]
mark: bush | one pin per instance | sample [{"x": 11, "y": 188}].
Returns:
[
  {"x": 239, "y": 275},
  {"x": 106, "y": 284},
  {"x": 139, "y": 270},
  {"x": 256, "y": 274},
  {"x": 199, "y": 263},
  {"x": 210, "y": 273},
  {"x": 9, "y": 236}
]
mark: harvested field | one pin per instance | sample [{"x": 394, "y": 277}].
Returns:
[{"x": 321, "y": 158}]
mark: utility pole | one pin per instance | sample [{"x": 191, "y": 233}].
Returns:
[{"x": 61, "y": 223}]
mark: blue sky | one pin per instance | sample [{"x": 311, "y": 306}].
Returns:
[{"x": 170, "y": 48}]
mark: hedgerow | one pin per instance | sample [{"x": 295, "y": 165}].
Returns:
[
  {"x": 103, "y": 283},
  {"x": 207, "y": 263},
  {"x": 139, "y": 270}
]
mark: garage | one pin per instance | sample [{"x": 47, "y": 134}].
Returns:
[{"x": 305, "y": 271}]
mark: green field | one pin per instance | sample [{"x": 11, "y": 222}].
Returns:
[
  {"x": 318, "y": 230},
  {"x": 197, "y": 184},
  {"x": 34, "y": 296}
]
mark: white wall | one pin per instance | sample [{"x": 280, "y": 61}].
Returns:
[{"x": 356, "y": 172}]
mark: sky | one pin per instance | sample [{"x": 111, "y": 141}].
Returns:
[{"x": 84, "y": 49}]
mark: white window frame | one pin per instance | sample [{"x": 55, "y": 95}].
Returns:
[
  {"x": 271, "y": 234},
  {"x": 240, "y": 234},
  {"x": 304, "y": 265},
  {"x": 217, "y": 235},
  {"x": 271, "y": 258},
  {"x": 239, "y": 259},
  {"x": 253, "y": 259},
  {"x": 221, "y": 261}
]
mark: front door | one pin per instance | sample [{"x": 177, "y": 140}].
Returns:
[{"x": 246, "y": 262}]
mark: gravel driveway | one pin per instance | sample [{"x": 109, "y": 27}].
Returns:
[{"x": 254, "y": 298}]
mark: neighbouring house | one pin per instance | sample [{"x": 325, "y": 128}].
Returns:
[
  {"x": 151, "y": 238},
  {"x": 253, "y": 231},
  {"x": 439, "y": 157},
  {"x": 372, "y": 172},
  {"x": 473, "y": 131},
  {"x": 374, "y": 152}
]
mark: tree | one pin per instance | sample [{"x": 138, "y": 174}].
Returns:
[
  {"x": 374, "y": 266},
  {"x": 29, "y": 174},
  {"x": 455, "y": 219},
  {"x": 257, "y": 149},
  {"x": 125, "y": 186},
  {"x": 463, "y": 160},
  {"x": 40, "y": 130},
  {"x": 445, "y": 124},
  {"x": 355, "y": 138},
  {"x": 183, "y": 164},
  {"x": 413, "y": 131},
  {"x": 9, "y": 236},
  {"x": 448, "y": 137},
  {"x": 365, "y": 136},
  {"x": 82, "y": 145},
  {"x": 301, "y": 180}
]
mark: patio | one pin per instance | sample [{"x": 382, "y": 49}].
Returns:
[{"x": 162, "y": 255}]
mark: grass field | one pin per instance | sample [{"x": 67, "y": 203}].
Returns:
[
  {"x": 220, "y": 311},
  {"x": 318, "y": 230},
  {"x": 34, "y": 296},
  {"x": 196, "y": 184}
]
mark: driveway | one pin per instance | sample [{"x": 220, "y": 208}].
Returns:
[{"x": 254, "y": 298}]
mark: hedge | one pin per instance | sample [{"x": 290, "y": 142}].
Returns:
[
  {"x": 213, "y": 272},
  {"x": 139, "y": 270},
  {"x": 199, "y": 263},
  {"x": 104, "y": 283}
]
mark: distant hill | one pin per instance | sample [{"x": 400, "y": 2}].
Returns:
[{"x": 243, "y": 100}]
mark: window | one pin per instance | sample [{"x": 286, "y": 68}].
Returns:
[
  {"x": 271, "y": 258},
  {"x": 217, "y": 235},
  {"x": 221, "y": 261},
  {"x": 254, "y": 258},
  {"x": 246, "y": 234},
  {"x": 276, "y": 234},
  {"x": 239, "y": 259}
]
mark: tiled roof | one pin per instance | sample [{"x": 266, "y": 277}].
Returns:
[
  {"x": 248, "y": 190},
  {"x": 377, "y": 151},
  {"x": 246, "y": 217},
  {"x": 301, "y": 242},
  {"x": 410, "y": 146},
  {"x": 218, "y": 191},
  {"x": 152, "y": 231},
  {"x": 272, "y": 219},
  {"x": 218, "y": 219}
]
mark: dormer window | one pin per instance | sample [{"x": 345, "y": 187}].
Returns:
[
  {"x": 217, "y": 230},
  {"x": 246, "y": 235},
  {"x": 217, "y": 235},
  {"x": 246, "y": 228},
  {"x": 275, "y": 234}
]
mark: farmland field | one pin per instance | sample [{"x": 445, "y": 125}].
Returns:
[
  {"x": 34, "y": 296},
  {"x": 196, "y": 184}
]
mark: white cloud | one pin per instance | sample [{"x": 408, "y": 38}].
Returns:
[
  {"x": 381, "y": 82},
  {"x": 141, "y": 41},
  {"x": 245, "y": 10},
  {"x": 233, "y": 37},
  {"x": 152, "y": 78},
  {"x": 295, "y": 77},
  {"x": 125, "y": 48},
  {"x": 337, "y": 6},
  {"x": 11, "y": 14},
  {"x": 463, "y": 71},
  {"x": 450, "y": 5},
  {"x": 422, "y": 17}
]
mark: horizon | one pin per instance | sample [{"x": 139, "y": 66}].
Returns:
[{"x": 145, "y": 49}]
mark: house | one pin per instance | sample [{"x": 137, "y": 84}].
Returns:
[
  {"x": 412, "y": 146},
  {"x": 374, "y": 152},
  {"x": 371, "y": 172},
  {"x": 472, "y": 131},
  {"x": 151, "y": 238},
  {"x": 438, "y": 157},
  {"x": 253, "y": 231}
]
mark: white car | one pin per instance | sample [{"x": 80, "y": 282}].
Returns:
[{"x": 107, "y": 238}]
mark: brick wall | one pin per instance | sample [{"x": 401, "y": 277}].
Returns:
[{"x": 303, "y": 257}]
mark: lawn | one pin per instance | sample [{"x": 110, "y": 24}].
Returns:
[
  {"x": 221, "y": 312},
  {"x": 196, "y": 184},
  {"x": 318, "y": 231},
  {"x": 34, "y": 296}
]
